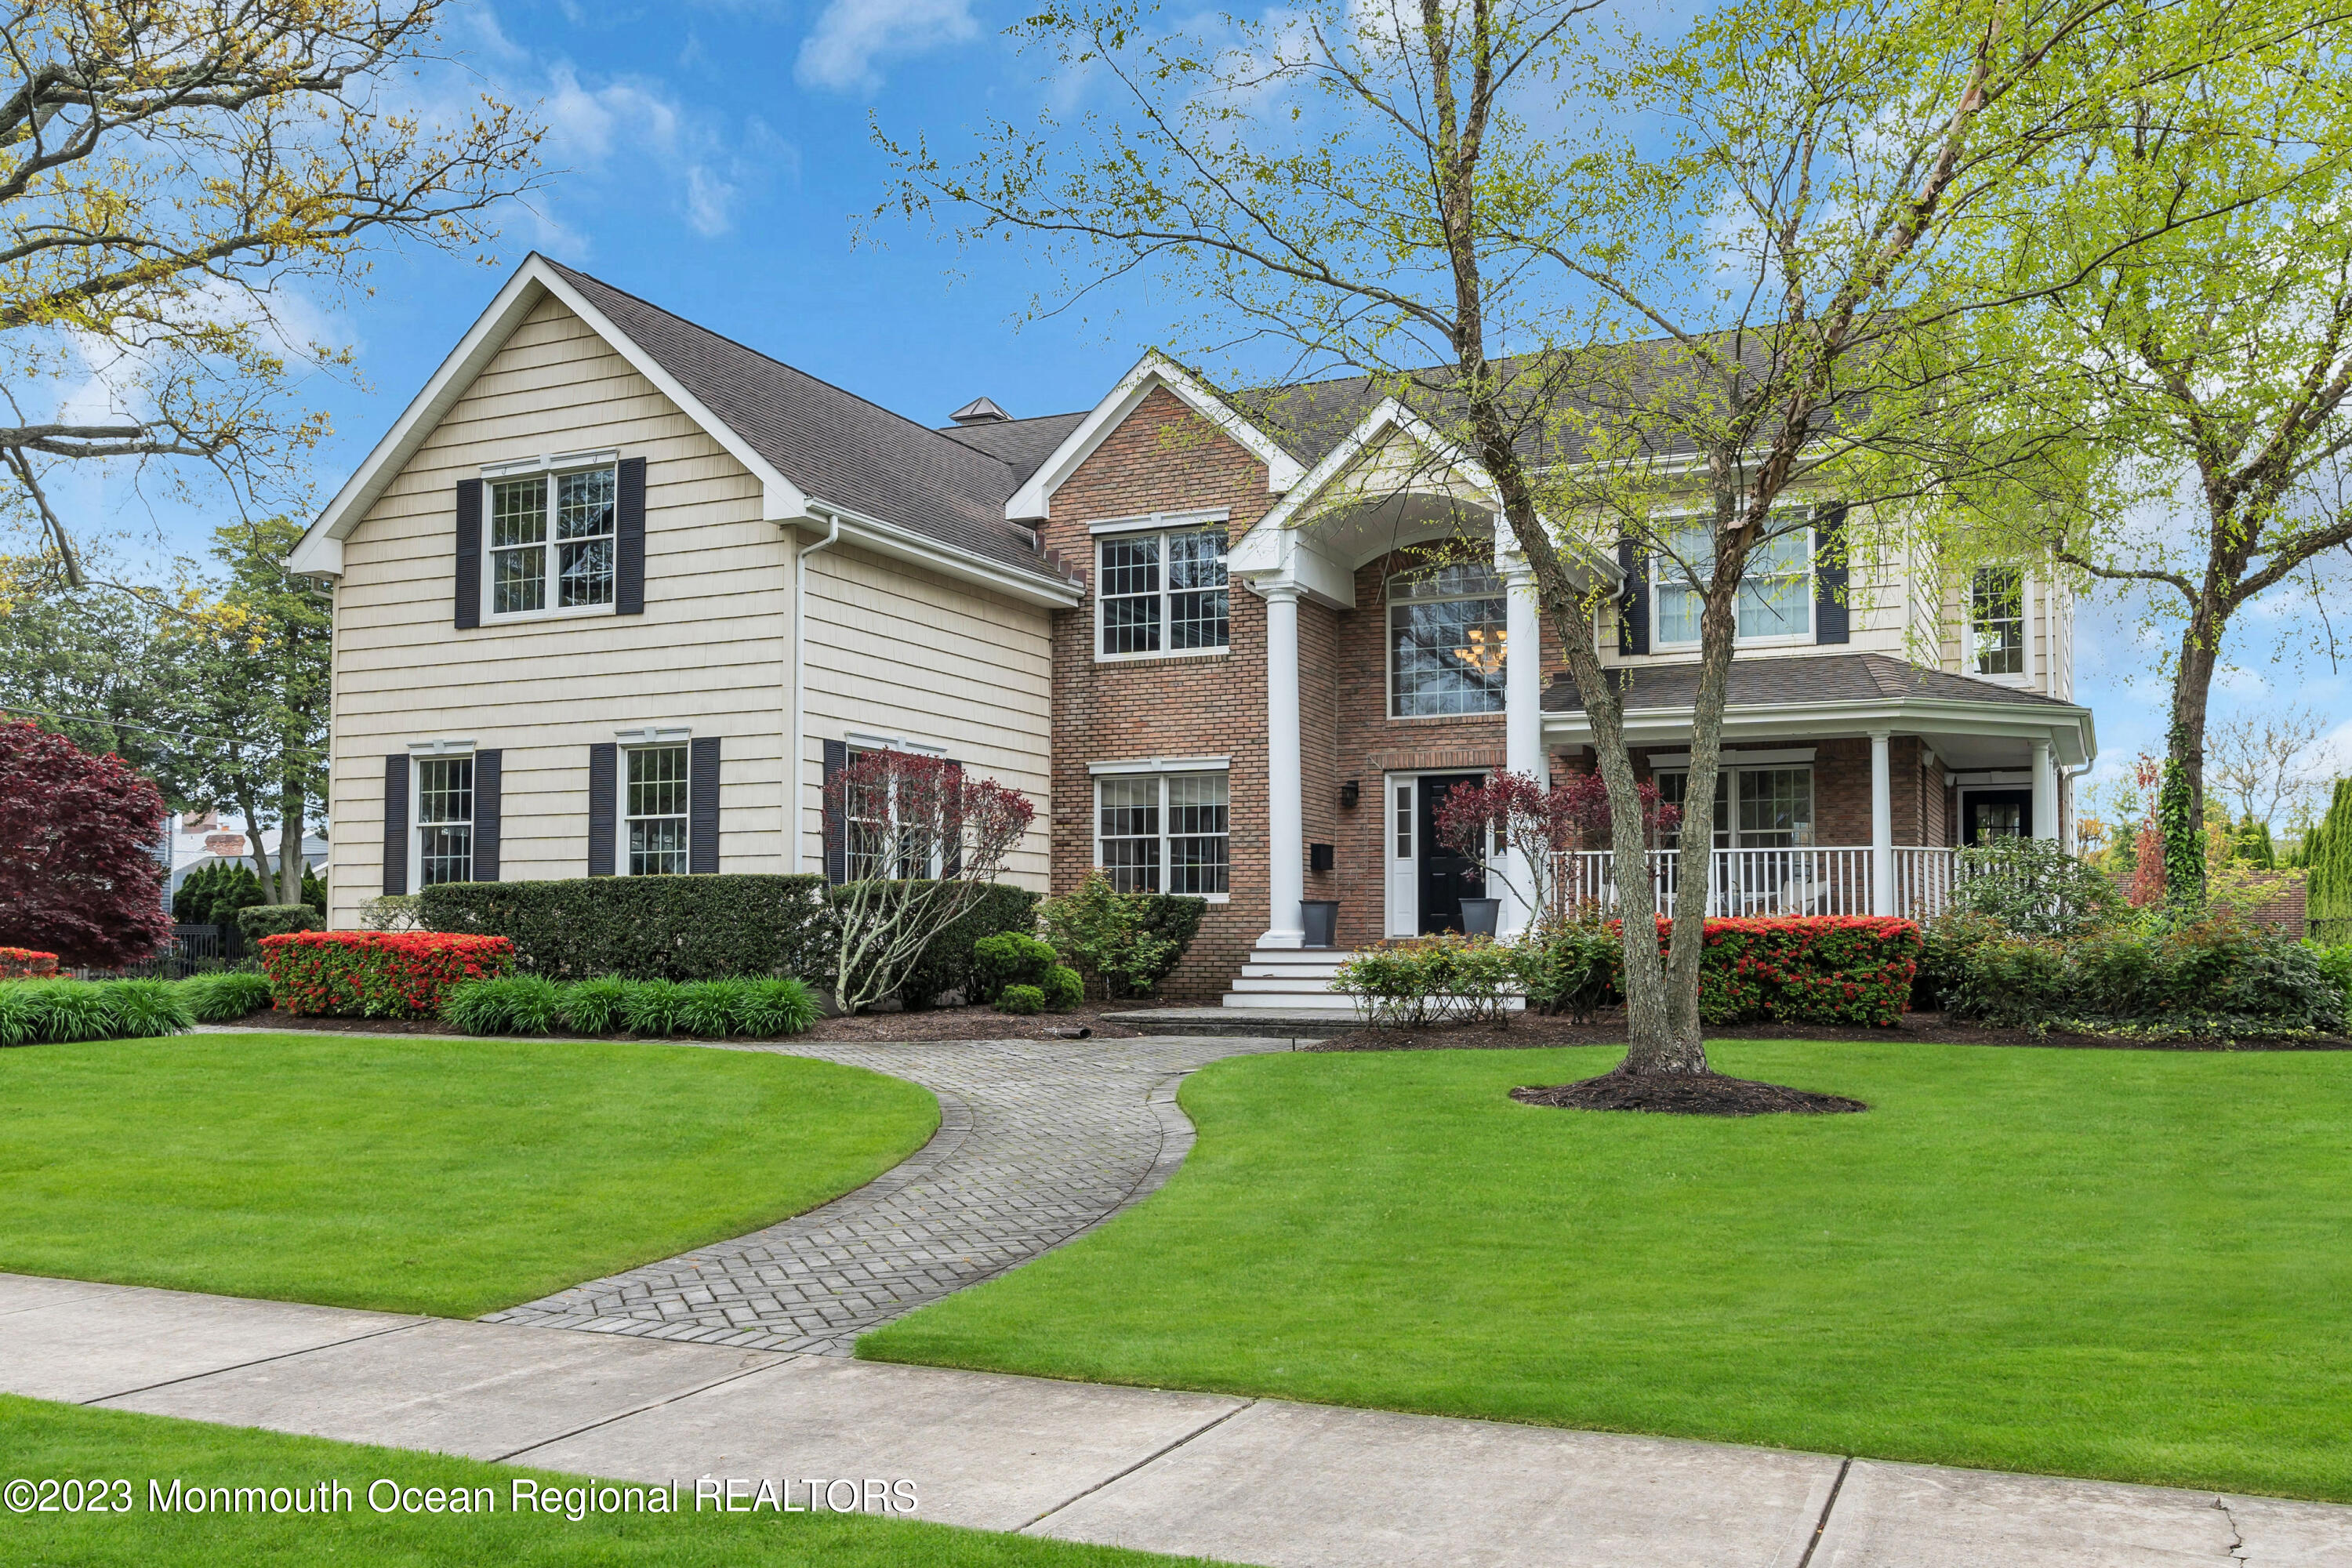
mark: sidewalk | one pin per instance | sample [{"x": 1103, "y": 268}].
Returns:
[{"x": 1251, "y": 1481}]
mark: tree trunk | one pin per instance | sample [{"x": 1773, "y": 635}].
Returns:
[
  {"x": 245, "y": 803},
  {"x": 2182, "y": 801},
  {"x": 290, "y": 864}
]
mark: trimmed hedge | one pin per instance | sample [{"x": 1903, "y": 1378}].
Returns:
[
  {"x": 376, "y": 975},
  {"x": 54, "y": 1012},
  {"x": 1818, "y": 969},
  {"x": 24, "y": 963},
  {"x": 258, "y": 920},
  {"x": 645, "y": 928}
]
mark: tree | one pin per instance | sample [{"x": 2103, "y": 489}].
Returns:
[
  {"x": 919, "y": 838},
  {"x": 82, "y": 662},
  {"x": 79, "y": 873},
  {"x": 2266, "y": 763},
  {"x": 170, "y": 172},
  {"x": 2328, "y": 854},
  {"x": 248, "y": 687},
  {"x": 2197, "y": 375},
  {"x": 1477, "y": 207}
]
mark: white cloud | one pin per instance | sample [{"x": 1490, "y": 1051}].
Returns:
[
  {"x": 851, "y": 35},
  {"x": 706, "y": 200}
]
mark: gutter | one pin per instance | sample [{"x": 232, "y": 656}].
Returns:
[{"x": 796, "y": 758}]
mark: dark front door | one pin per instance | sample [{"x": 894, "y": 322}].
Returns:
[
  {"x": 1998, "y": 813},
  {"x": 1446, "y": 878}
]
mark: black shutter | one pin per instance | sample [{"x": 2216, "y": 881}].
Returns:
[
  {"x": 1831, "y": 617},
  {"x": 836, "y": 843},
  {"x": 629, "y": 541},
  {"x": 396, "y": 823},
  {"x": 469, "y": 554},
  {"x": 702, "y": 807},
  {"x": 603, "y": 773},
  {"x": 487, "y": 775},
  {"x": 951, "y": 857},
  {"x": 1633, "y": 605}
]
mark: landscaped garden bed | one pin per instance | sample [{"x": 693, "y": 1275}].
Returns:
[
  {"x": 444, "y": 1176},
  {"x": 1523, "y": 1031},
  {"x": 2135, "y": 1265}
]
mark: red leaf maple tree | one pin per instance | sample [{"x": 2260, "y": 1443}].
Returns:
[{"x": 78, "y": 872}]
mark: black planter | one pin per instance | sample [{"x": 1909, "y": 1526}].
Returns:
[
  {"x": 1479, "y": 915},
  {"x": 1321, "y": 919}
]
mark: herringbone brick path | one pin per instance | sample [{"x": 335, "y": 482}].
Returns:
[{"x": 1038, "y": 1139}]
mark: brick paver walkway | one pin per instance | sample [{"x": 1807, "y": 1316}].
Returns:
[{"x": 1038, "y": 1139}]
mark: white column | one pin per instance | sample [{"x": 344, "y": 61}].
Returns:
[
  {"x": 1882, "y": 827},
  {"x": 1523, "y": 750},
  {"x": 1286, "y": 820},
  {"x": 2045, "y": 794}
]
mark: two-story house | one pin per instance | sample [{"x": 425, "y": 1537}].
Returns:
[{"x": 614, "y": 594}]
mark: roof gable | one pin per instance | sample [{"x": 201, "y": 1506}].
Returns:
[{"x": 1154, "y": 370}]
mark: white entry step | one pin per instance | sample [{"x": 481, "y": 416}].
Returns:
[{"x": 1291, "y": 977}]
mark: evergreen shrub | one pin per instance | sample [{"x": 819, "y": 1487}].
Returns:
[{"x": 645, "y": 928}]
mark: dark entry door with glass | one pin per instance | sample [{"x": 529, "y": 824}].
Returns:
[
  {"x": 1996, "y": 813},
  {"x": 1446, "y": 878}
]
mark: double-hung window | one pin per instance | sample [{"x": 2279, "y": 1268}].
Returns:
[
  {"x": 1776, "y": 593},
  {"x": 1162, "y": 593},
  {"x": 1997, "y": 621},
  {"x": 1755, "y": 808},
  {"x": 1445, "y": 642},
  {"x": 871, "y": 816},
  {"x": 1164, "y": 832},
  {"x": 551, "y": 540},
  {"x": 445, "y": 820},
  {"x": 655, "y": 823}
]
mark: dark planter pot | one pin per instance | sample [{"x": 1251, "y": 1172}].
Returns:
[
  {"x": 1321, "y": 919},
  {"x": 1479, "y": 915}
]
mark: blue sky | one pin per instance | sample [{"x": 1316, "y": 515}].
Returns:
[{"x": 716, "y": 158}]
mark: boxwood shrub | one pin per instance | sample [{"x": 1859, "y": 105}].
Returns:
[{"x": 645, "y": 928}]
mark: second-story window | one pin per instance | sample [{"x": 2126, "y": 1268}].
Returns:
[
  {"x": 1997, "y": 621},
  {"x": 1776, "y": 595},
  {"x": 1445, "y": 642},
  {"x": 550, "y": 543},
  {"x": 1163, "y": 592}
]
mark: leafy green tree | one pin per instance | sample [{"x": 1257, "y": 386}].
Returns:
[
  {"x": 2191, "y": 384},
  {"x": 83, "y": 663},
  {"x": 249, "y": 684},
  {"x": 1475, "y": 207}
]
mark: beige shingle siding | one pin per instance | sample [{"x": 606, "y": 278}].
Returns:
[
  {"x": 894, "y": 650},
  {"x": 710, "y": 650}
]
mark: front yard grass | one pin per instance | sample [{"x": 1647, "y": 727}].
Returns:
[
  {"x": 61, "y": 1441},
  {"x": 2135, "y": 1265},
  {"x": 419, "y": 1175}
]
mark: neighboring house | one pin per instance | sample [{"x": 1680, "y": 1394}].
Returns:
[
  {"x": 610, "y": 571},
  {"x": 202, "y": 838}
]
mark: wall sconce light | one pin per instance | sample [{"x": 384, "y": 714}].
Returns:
[{"x": 1349, "y": 792}]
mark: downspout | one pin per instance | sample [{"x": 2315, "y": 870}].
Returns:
[
  {"x": 2067, "y": 777},
  {"x": 795, "y": 754}
]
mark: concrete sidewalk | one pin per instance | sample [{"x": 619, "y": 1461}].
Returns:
[{"x": 1253, "y": 1481}]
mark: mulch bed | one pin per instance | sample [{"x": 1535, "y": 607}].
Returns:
[
  {"x": 1685, "y": 1094},
  {"x": 1533, "y": 1031},
  {"x": 934, "y": 1024}
]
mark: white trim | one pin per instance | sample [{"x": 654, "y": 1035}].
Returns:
[
  {"x": 858, "y": 740},
  {"x": 652, "y": 738},
  {"x": 438, "y": 748},
  {"x": 1164, "y": 765},
  {"x": 546, "y": 470},
  {"x": 1994, "y": 778},
  {"x": 1145, "y": 522},
  {"x": 1166, "y": 593},
  {"x": 1155, "y": 369},
  {"x": 1732, "y": 757},
  {"x": 886, "y": 538},
  {"x": 548, "y": 462},
  {"x": 2068, "y": 726},
  {"x": 655, "y": 735},
  {"x": 318, "y": 552},
  {"x": 434, "y": 752}
]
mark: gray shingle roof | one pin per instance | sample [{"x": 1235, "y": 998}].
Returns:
[
  {"x": 834, "y": 445},
  {"x": 1803, "y": 678},
  {"x": 1024, "y": 445}
]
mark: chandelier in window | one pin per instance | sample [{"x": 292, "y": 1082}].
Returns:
[{"x": 1485, "y": 653}]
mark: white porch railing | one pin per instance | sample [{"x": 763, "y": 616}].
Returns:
[{"x": 1815, "y": 879}]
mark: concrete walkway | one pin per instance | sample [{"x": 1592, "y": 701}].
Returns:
[
  {"x": 1038, "y": 1140},
  {"x": 1253, "y": 1481}
]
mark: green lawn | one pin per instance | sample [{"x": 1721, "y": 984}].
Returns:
[
  {"x": 451, "y": 1177},
  {"x": 57, "y": 1441},
  {"x": 2125, "y": 1264}
]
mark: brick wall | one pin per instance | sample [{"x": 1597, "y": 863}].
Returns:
[{"x": 1163, "y": 458}]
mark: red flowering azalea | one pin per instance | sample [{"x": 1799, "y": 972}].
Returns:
[
  {"x": 376, "y": 975},
  {"x": 24, "y": 963}
]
